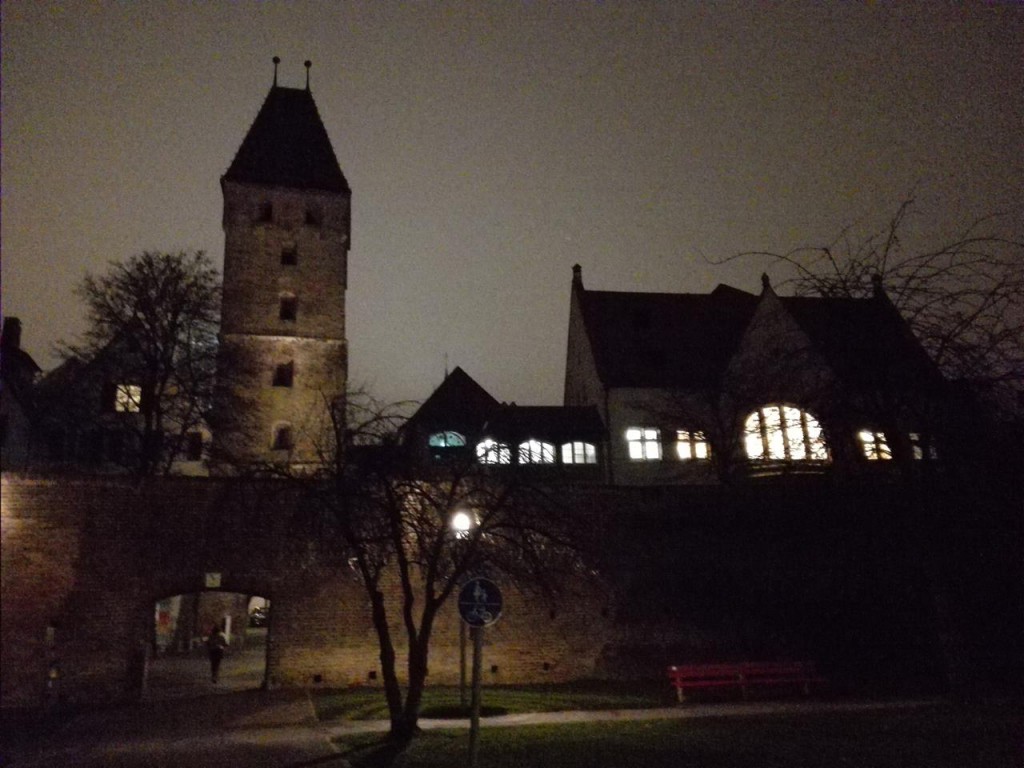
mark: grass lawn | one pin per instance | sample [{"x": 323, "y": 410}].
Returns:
[
  {"x": 442, "y": 701},
  {"x": 940, "y": 736}
]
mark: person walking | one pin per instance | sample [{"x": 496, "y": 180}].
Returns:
[{"x": 215, "y": 645}]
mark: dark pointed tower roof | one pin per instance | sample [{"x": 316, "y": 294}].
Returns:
[{"x": 288, "y": 146}]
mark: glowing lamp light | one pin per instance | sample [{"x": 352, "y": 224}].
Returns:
[{"x": 462, "y": 522}]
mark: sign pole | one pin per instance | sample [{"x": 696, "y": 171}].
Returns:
[
  {"x": 474, "y": 720},
  {"x": 462, "y": 665}
]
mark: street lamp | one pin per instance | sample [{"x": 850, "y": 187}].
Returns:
[{"x": 462, "y": 523}]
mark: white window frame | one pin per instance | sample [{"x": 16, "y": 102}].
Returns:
[
  {"x": 644, "y": 443},
  {"x": 692, "y": 445},
  {"x": 579, "y": 452}
]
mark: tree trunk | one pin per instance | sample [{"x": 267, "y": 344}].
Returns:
[{"x": 392, "y": 689}]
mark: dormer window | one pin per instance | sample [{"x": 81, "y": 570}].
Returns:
[
  {"x": 283, "y": 374},
  {"x": 289, "y": 308},
  {"x": 289, "y": 255},
  {"x": 265, "y": 212}
]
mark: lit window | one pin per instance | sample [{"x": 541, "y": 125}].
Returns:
[
  {"x": 289, "y": 256},
  {"x": 446, "y": 440},
  {"x": 874, "y": 445},
  {"x": 536, "y": 452},
  {"x": 691, "y": 445},
  {"x": 284, "y": 373},
  {"x": 490, "y": 452},
  {"x": 289, "y": 308},
  {"x": 579, "y": 453},
  {"x": 283, "y": 438},
  {"x": 784, "y": 433},
  {"x": 644, "y": 443},
  {"x": 922, "y": 447},
  {"x": 128, "y": 398}
]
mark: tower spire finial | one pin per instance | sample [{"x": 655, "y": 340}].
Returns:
[
  {"x": 308, "y": 64},
  {"x": 276, "y": 60}
]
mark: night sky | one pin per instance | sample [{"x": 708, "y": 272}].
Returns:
[{"x": 490, "y": 146}]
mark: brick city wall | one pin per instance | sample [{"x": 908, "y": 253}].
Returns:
[{"x": 84, "y": 561}]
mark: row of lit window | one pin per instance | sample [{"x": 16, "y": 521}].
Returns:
[
  {"x": 490, "y": 451},
  {"x": 771, "y": 433}
]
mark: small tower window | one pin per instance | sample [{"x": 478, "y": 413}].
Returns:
[
  {"x": 265, "y": 212},
  {"x": 314, "y": 216},
  {"x": 283, "y": 374},
  {"x": 283, "y": 438},
  {"x": 289, "y": 256},
  {"x": 289, "y": 308},
  {"x": 194, "y": 446}
]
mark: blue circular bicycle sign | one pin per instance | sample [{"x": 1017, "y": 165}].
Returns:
[{"x": 480, "y": 602}]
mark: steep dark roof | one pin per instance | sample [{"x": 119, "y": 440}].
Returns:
[
  {"x": 664, "y": 339},
  {"x": 288, "y": 146},
  {"x": 513, "y": 423},
  {"x": 458, "y": 403},
  {"x": 863, "y": 340}
]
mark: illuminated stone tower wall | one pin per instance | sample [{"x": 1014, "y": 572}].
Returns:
[{"x": 283, "y": 352}]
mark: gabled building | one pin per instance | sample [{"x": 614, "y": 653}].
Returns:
[
  {"x": 283, "y": 356},
  {"x": 462, "y": 421},
  {"x": 701, "y": 388}
]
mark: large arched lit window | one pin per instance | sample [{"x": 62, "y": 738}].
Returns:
[
  {"x": 446, "y": 439},
  {"x": 536, "y": 452},
  {"x": 784, "y": 433},
  {"x": 491, "y": 452}
]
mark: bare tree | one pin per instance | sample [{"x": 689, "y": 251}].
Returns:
[
  {"x": 393, "y": 516},
  {"x": 150, "y": 350},
  {"x": 964, "y": 300}
]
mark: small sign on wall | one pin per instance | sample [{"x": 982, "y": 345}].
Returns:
[{"x": 212, "y": 581}]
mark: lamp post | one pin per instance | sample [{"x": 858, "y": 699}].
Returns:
[{"x": 462, "y": 523}]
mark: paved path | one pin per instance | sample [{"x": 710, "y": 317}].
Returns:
[{"x": 279, "y": 730}]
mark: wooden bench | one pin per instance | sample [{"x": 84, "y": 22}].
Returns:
[{"x": 744, "y": 675}]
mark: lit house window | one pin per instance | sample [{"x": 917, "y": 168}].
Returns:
[
  {"x": 644, "y": 443},
  {"x": 579, "y": 453},
  {"x": 128, "y": 398},
  {"x": 284, "y": 440},
  {"x": 922, "y": 447},
  {"x": 490, "y": 452},
  {"x": 446, "y": 439},
  {"x": 284, "y": 373},
  {"x": 536, "y": 452},
  {"x": 691, "y": 445},
  {"x": 874, "y": 445},
  {"x": 784, "y": 433},
  {"x": 289, "y": 307}
]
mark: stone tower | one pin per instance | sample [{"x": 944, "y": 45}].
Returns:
[{"x": 283, "y": 356}]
